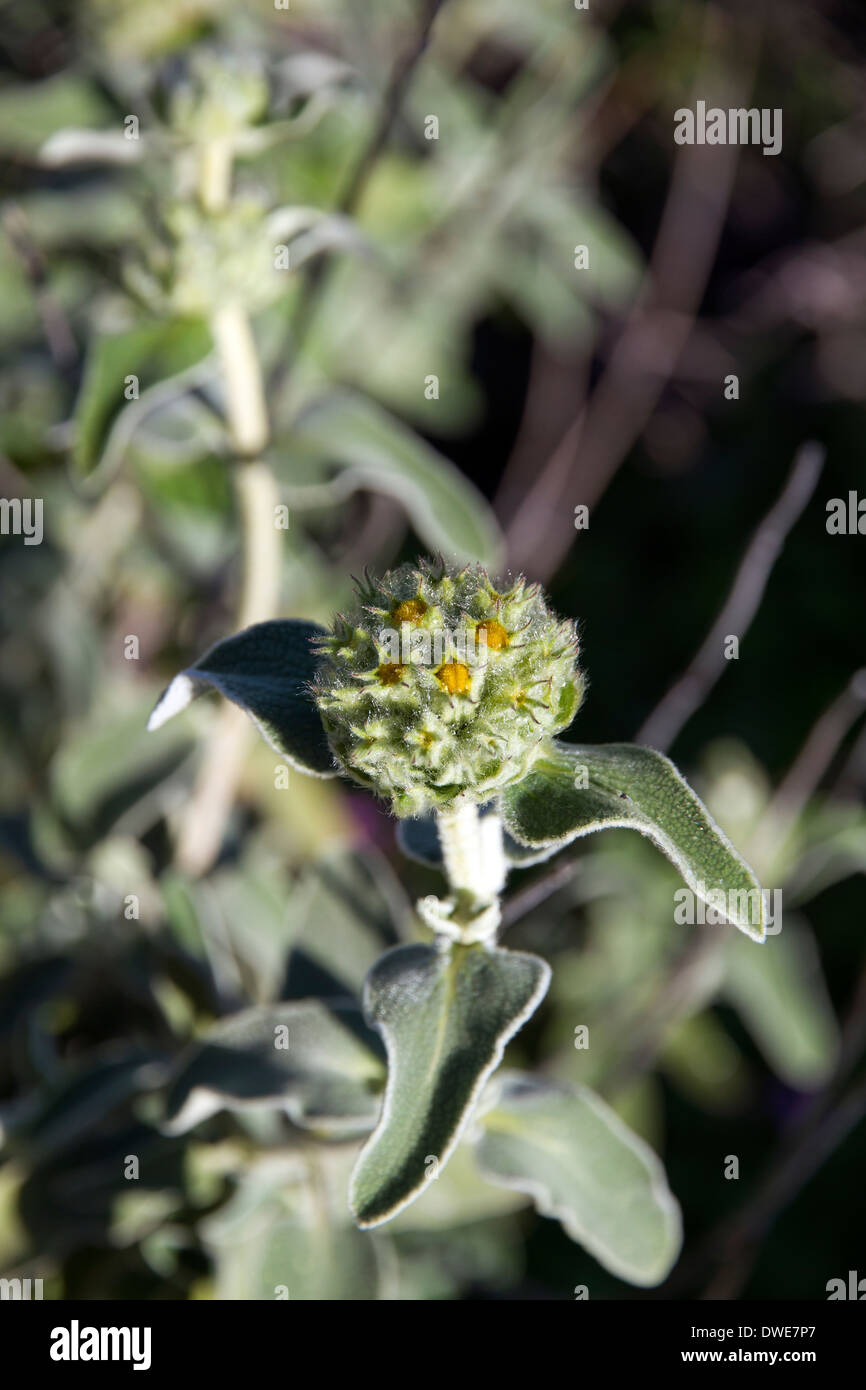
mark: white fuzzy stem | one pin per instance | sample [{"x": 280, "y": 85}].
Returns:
[{"x": 473, "y": 853}]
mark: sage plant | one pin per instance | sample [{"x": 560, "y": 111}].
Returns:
[{"x": 444, "y": 694}]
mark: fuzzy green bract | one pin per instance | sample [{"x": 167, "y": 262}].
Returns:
[{"x": 437, "y": 686}]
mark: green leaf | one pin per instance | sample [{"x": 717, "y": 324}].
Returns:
[
  {"x": 574, "y": 790},
  {"x": 78, "y": 1101},
  {"x": 782, "y": 998},
  {"x": 267, "y": 670},
  {"x": 32, "y": 111},
  {"x": 285, "y": 1234},
  {"x": 460, "y": 1196},
  {"x": 418, "y": 838},
  {"x": 446, "y": 1014},
  {"x": 572, "y": 1154},
  {"x": 151, "y": 351},
  {"x": 315, "y": 1060},
  {"x": 343, "y": 912},
  {"x": 702, "y": 1060},
  {"x": 75, "y": 146},
  {"x": 519, "y": 856},
  {"x": 376, "y": 451},
  {"x": 97, "y": 777}
]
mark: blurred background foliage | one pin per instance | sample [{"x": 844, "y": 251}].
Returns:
[{"x": 413, "y": 258}]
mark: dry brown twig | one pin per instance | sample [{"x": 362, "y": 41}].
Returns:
[
  {"x": 733, "y": 1246},
  {"x": 649, "y": 347},
  {"x": 661, "y": 727}
]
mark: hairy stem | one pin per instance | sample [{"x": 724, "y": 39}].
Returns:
[
  {"x": 202, "y": 828},
  {"x": 474, "y": 858}
]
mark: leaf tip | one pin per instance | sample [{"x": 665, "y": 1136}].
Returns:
[
  {"x": 176, "y": 697},
  {"x": 755, "y": 931}
]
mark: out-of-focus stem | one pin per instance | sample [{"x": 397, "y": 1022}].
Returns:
[
  {"x": 202, "y": 828},
  {"x": 205, "y": 815},
  {"x": 258, "y": 499},
  {"x": 215, "y": 175},
  {"x": 809, "y": 766},
  {"x": 246, "y": 412}
]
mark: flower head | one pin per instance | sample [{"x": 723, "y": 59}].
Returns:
[{"x": 437, "y": 688}]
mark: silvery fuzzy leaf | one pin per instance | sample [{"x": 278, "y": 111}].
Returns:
[
  {"x": 446, "y": 1014},
  {"x": 313, "y": 1059},
  {"x": 267, "y": 670},
  {"x": 583, "y": 1166},
  {"x": 574, "y": 790}
]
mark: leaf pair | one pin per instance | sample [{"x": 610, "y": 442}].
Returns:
[
  {"x": 344, "y": 441},
  {"x": 447, "y": 1011},
  {"x": 570, "y": 791},
  {"x": 446, "y": 1015}
]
